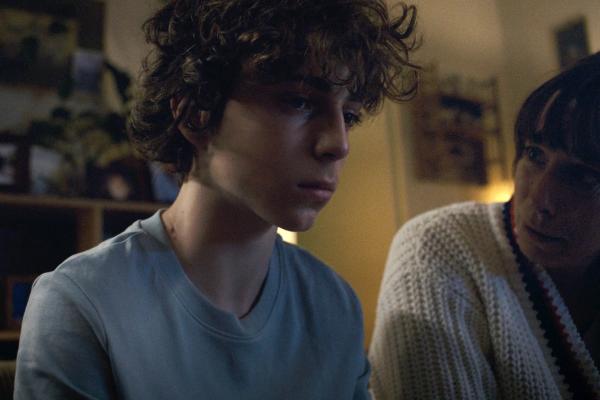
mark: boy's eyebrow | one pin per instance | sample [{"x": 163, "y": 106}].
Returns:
[{"x": 320, "y": 84}]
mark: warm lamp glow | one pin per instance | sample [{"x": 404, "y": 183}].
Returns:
[
  {"x": 499, "y": 192},
  {"x": 287, "y": 236}
]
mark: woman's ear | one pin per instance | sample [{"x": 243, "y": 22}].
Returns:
[{"x": 192, "y": 123}]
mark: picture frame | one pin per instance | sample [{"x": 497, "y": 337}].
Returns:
[
  {"x": 38, "y": 39},
  {"x": 17, "y": 291},
  {"x": 572, "y": 41},
  {"x": 127, "y": 179},
  {"x": 14, "y": 162},
  {"x": 456, "y": 129}
]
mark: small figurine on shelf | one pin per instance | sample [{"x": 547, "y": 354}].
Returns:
[
  {"x": 87, "y": 154},
  {"x": 13, "y": 162}
]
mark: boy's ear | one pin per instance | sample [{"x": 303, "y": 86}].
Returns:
[{"x": 192, "y": 124}]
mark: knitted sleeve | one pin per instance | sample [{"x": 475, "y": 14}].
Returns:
[{"x": 431, "y": 339}]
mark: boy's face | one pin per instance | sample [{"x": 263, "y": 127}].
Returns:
[{"x": 279, "y": 149}]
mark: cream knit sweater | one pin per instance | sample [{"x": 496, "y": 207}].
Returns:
[{"x": 454, "y": 320}]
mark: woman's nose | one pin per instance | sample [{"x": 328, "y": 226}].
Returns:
[{"x": 545, "y": 193}]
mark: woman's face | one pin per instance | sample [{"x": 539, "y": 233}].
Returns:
[{"x": 557, "y": 208}]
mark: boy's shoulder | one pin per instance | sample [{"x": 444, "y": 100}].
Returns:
[{"x": 117, "y": 261}]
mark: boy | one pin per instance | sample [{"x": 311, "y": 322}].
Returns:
[{"x": 251, "y": 102}]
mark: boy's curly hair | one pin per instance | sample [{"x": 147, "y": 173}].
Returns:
[{"x": 201, "y": 48}]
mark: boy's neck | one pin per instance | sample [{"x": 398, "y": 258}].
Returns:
[{"x": 224, "y": 251}]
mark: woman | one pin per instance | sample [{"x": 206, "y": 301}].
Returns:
[{"x": 502, "y": 300}]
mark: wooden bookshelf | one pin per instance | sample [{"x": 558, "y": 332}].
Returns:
[
  {"x": 8, "y": 335},
  {"x": 64, "y": 226}
]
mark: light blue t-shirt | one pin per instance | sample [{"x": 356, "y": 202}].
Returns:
[{"x": 123, "y": 321}]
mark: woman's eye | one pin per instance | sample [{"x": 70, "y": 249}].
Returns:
[
  {"x": 351, "y": 119},
  {"x": 535, "y": 155},
  {"x": 583, "y": 180}
]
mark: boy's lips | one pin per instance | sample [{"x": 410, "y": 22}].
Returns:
[
  {"x": 318, "y": 185},
  {"x": 318, "y": 190}
]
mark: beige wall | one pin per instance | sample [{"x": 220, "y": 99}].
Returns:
[
  {"x": 462, "y": 37},
  {"x": 528, "y": 27}
]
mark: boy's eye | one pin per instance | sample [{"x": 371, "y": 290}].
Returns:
[
  {"x": 352, "y": 119},
  {"x": 535, "y": 154},
  {"x": 298, "y": 103}
]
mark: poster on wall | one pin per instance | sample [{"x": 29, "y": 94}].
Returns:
[
  {"x": 456, "y": 129},
  {"x": 35, "y": 48},
  {"x": 572, "y": 42},
  {"x": 38, "y": 39}
]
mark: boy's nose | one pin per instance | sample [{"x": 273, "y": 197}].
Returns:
[{"x": 332, "y": 143}]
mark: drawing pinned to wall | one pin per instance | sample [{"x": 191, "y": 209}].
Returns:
[
  {"x": 14, "y": 168},
  {"x": 38, "y": 40},
  {"x": 572, "y": 42},
  {"x": 457, "y": 129},
  {"x": 35, "y": 48},
  {"x": 86, "y": 70}
]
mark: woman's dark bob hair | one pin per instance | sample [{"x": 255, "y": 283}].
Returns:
[
  {"x": 201, "y": 48},
  {"x": 564, "y": 113}
]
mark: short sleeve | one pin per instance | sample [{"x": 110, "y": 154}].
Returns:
[{"x": 61, "y": 351}]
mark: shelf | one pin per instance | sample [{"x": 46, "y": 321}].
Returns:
[
  {"x": 56, "y": 227},
  {"x": 77, "y": 203},
  {"x": 90, "y": 214},
  {"x": 9, "y": 335}
]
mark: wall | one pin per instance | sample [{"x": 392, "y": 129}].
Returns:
[
  {"x": 463, "y": 38},
  {"x": 529, "y": 40},
  {"x": 124, "y": 40}
]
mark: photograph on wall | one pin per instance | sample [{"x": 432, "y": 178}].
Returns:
[
  {"x": 456, "y": 128},
  {"x": 86, "y": 70},
  {"x": 8, "y": 167},
  {"x": 38, "y": 40},
  {"x": 14, "y": 169},
  {"x": 451, "y": 156},
  {"x": 124, "y": 179},
  {"x": 572, "y": 42},
  {"x": 35, "y": 48}
]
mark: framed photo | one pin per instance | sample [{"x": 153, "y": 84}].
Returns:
[
  {"x": 572, "y": 42},
  {"x": 125, "y": 179},
  {"x": 87, "y": 70},
  {"x": 14, "y": 163},
  {"x": 35, "y": 48},
  {"x": 18, "y": 288},
  {"x": 38, "y": 38}
]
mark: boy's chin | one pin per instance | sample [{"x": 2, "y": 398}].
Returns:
[{"x": 300, "y": 222}]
